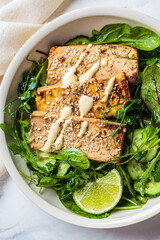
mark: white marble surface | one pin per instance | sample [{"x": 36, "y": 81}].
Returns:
[{"x": 20, "y": 219}]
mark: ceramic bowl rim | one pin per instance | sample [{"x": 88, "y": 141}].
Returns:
[{"x": 43, "y": 32}]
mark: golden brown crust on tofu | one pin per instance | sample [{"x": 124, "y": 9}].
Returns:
[
  {"x": 63, "y": 57},
  {"x": 92, "y": 142},
  {"x": 53, "y": 99}
]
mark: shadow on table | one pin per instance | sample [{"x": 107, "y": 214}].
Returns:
[
  {"x": 146, "y": 230},
  {"x": 149, "y": 229}
]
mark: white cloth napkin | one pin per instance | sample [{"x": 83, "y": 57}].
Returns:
[{"x": 19, "y": 19}]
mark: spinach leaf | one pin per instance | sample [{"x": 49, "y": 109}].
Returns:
[
  {"x": 121, "y": 33},
  {"x": 74, "y": 157},
  {"x": 150, "y": 89},
  {"x": 69, "y": 203},
  {"x": 110, "y": 33},
  {"x": 141, "y": 38}
]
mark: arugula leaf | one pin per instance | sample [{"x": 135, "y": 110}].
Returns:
[
  {"x": 74, "y": 157},
  {"x": 35, "y": 76},
  {"x": 131, "y": 112},
  {"x": 47, "y": 182},
  {"x": 126, "y": 181},
  {"x": 150, "y": 89},
  {"x": 127, "y": 203},
  {"x": 43, "y": 75},
  {"x": 139, "y": 156},
  {"x": 156, "y": 173},
  {"x": 8, "y": 130},
  {"x": 32, "y": 83},
  {"x": 29, "y": 155},
  {"x": 22, "y": 87},
  {"x": 16, "y": 149},
  {"x": 147, "y": 174}
]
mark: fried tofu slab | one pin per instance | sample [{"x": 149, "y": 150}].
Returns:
[
  {"x": 114, "y": 59},
  {"x": 94, "y": 141},
  {"x": 53, "y": 99}
]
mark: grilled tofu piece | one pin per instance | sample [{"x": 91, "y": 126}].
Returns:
[
  {"x": 114, "y": 59},
  {"x": 91, "y": 142},
  {"x": 53, "y": 99}
]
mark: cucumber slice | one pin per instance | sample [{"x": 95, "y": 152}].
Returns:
[
  {"x": 135, "y": 169},
  {"x": 46, "y": 161},
  {"x": 137, "y": 140},
  {"x": 151, "y": 189},
  {"x": 80, "y": 40},
  {"x": 42, "y": 163},
  {"x": 62, "y": 169},
  {"x": 151, "y": 154}
]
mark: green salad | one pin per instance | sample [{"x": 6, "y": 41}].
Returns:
[{"x": 87, "y": 187}]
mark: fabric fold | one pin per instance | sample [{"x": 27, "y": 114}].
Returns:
[
  {"x": 19, "y": 20},
  {"x": 13, "y": 36},
  {"x": 28, "y": 11}
]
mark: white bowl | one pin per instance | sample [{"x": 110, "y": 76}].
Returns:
[{"x": 57, "y": 32}]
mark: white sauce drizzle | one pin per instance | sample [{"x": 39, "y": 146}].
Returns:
[
  {"x": 83, "y": 129},
  {"x": 90, "y": 72},
  {"x": 70, "y": 77},
  {"x": 104, "y": 62},
  {"x": 89, "y": 46},
  {"x": 85, "y": 105},
  {"x": 59, "y": 140},
  {"x": 108, "y": 89},
  {"x": 55, "y": 129},
  {"x": 42, "y": 154}
]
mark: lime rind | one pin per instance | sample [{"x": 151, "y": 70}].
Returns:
[{"x": 100, "y": 196}]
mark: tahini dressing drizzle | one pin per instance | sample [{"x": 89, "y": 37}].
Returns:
[
  {"x": 83, "y": 129},
  {"x": 85, "y": 105},
  {"x": 70, "y": 76},
  {"x": 90, "y": 72},
  {"x": 55, "y": 129},
  {"x": 108, "y": 89},
  {"x": 59, "y": 141},
  {"x": 104, "y": 62}
]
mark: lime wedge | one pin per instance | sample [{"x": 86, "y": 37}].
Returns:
[{"x": 100, "y": 196}]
